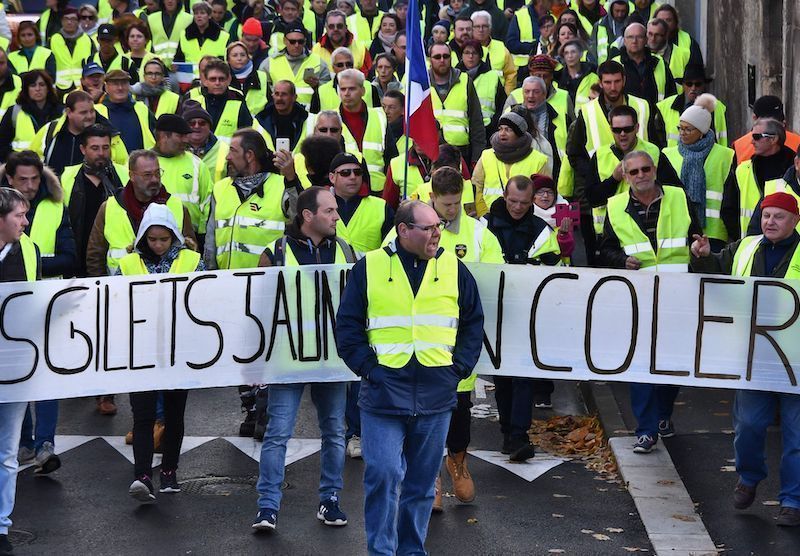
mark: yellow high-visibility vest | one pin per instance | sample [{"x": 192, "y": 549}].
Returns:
[{"x": 186, "y": 261}]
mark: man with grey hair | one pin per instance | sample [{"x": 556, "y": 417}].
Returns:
[
  {"x": 769, "y": 162},
  {"x": 336, "y": 35},
  {"x": 366, "y": 128},
  {"x": 327, "y": 96},
  {"x": 19, "y": 261},
  {"x": 649, "y": 227},
  {"x": 646, "y": 75},
  {"x": 408, "y": 386},
  {"x": 494, "y": 51}
]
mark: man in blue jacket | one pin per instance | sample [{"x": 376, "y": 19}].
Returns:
[{"x": 410, "y": 324}]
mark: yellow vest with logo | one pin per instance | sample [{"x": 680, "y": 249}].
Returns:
[
  {"x": 186, "y": 261},
  {"x": 716, "y": 167},
  {"x": 165, "y": 46},
  {"x": 745, "y": 255},
  {"x": 119, "y": 232},
  {"x": 142, "y": 114},
  {"x": 229, "y": 121},
  {"x": 452, "y": 114},
  {"x": 401, "y": 324},
  {"x": 69, "y": 65},
  {"x": 498, "y": 173},
  {"x": 372, "y": 146},
  {"x": 672, "y": 232},
  {"x": 363, "y": 231},
  {"x": 244, "y": 229},
  {"x": 21, "y": 63},
  {"x": 607, "y": 162},
  {"x": 29, "y": 258},
  {"x": 749, "y": 193},
  {"x": 185, "y": 178},
  {"x": 598, "y": 130},
  {"x": 279, "y": 69}
]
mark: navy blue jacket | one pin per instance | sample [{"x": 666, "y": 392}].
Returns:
[{"x": 413, "y": 389}]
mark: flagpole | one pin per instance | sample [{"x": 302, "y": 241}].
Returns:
[{"x": 407, "y": 77}]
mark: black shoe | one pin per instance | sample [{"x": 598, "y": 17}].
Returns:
[
  {"x": 506, "y": 449},
  {"x": 521, "y": 450},
  {"x": 743, "y": 496},
  {"x": 542, "y": 401},
  {"x": 789, "y": 517},
  {"x": 142, "y": 490},
  {"x": 266, "y": 520},
  {"x": 5, "y": 545},
  {"x": 169, "y": 482}
]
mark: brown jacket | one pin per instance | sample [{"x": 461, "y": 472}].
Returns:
[{"x": 97, "y": 249}]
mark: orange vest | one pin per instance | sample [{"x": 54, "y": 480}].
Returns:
[{"x": 744, "y": 145}]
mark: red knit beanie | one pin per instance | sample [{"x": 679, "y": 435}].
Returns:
[
  {"x": 540, "y": 181},
  {"x": 252, "y": 27},
  {"x": 781, "y": 200}
]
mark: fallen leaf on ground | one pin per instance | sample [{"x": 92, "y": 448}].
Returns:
[
  {"x": 472, "y": 520},
  {"x": 614, "y": 530},
  {"x": 665, "y": 482},
  {"x": 682, "y": 517},
  {"x": 634, "y": 549},
  {"x": 771, "y": 503},
  {"x": 557, "y": 515},
  {"x": 561, "y": 496},
  {"x": 587, "y": 531},
  {"x": 727, "y": 468},
  {"x": 601, "y": 537}
]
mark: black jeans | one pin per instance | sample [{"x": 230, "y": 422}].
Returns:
[
  {"x": 143, "y": 405},
  {"x": 515, "y": 397},
  {"x": 458, "y": 435}
]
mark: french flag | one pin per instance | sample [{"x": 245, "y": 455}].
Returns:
[{"x": 420, "y": 122}]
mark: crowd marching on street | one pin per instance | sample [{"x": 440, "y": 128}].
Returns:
[{"x": 169, "y": 136}]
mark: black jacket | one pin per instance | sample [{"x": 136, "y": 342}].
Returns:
[
  {"x": 39, "y": 118},
  {"x": 298, "y": 119},
  {"x": 644, "y": 84},
  {"x": 305, "y": 251},
  {"x": 516, "y": 237},
  {"x": 12, "y": 267},
  {"x": 722, "y": 262}
]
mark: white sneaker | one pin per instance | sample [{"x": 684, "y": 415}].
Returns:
[
  {"x": 46, "y": 460},
  {"x": 354, "y": 447}
]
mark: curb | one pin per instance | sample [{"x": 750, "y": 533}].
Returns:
[{"x": 661, "y": 498}]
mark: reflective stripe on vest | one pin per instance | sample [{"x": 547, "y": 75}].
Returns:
[
  {"x": 486, "y": 85},
  {"x": 598, "y": 130},
  {"x": 181, "y": 177},
  {"x": 244, "y": 229},
  {"x": 24, "y": 130},
  {"x": 165, "y": 46},
  {"x": 69, "y": 65},
  {"x": 193, "y": 51},
  {"x": 452, "y": 114},
  {"x": 498, "y": 173},
  {"x": 672, "y": 230},
  {"x": 372, "y": 146},
  {"x": 749, "y": 194},
  {"x": 525, "y": 25},
  {"x": 363, "y": 231},
  {"x": 716, "y": 167},
  {"x": 38, "y": 60},
  {"x": 400, "y": 323},
  {"x": 229, "y": 120},
  {"x": 119, "y": 232},
  {"x": 142, "y": 114},
  {"x": 186, "y": 261},
  {"x": 279, "y": 69},
  {"x": 607, "y": 162},
  {"x": 745, "y": 255}
]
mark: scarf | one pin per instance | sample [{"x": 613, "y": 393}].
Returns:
[
  {"x": 136, "y": 208},
  {"x": 512, "y": 152},
  {"x": 693, "y": 174},
  {"x": 387, "y": 41},
  {"x": 539, "y": 117},
  {"x": 549, "y": 214},
  {"x": 244, "y": 72},
  {"x": 74, "y": 35},
  {"x": 162, "y": 264},
  {"x": 142, "y": 89},
  {"x": 246, "y": 184}
]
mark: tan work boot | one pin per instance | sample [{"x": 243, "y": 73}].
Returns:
[
  {"x": 158, "y": 435},
  {"x": 437, "y": 501},
  {"x": 463, "y": 487}
]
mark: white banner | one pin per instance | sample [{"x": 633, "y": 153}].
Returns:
[{"x": 72, "y": 338}]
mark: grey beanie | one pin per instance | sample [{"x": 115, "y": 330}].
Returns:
[{"x": 515, "y": 122}]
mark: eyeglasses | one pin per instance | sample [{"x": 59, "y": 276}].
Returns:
[
  {"x": 296, "y": 41},
  {"x": 759, "y": 136},
  {"x": 643, "y": 170},
  {"x": 329, "y": 129},
  {"x": 153, "y": 74},
  {"x": 686, "y": 130},
  {"x": 427, "y": 229},
  {"x": 346, "y": 172},
  {"x": 545, "y": 192},
  {"x": 88, "y": 18},
  {"x": 624, "y": 129},
  {"x": 480, "y": 26},
  {"x": 336, "y": 25},
  {"x": 693, "y": 83},
  {"x": 150, "y": 175},
  {"x": 198, "y": 123},
  {"x": 343, "y": 65},
  {"x": 440, "y": 56}
]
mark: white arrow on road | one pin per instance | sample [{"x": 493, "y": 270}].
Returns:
[
  {"x": 529, "y": 470},
  {"x": 296, "y": 449}
]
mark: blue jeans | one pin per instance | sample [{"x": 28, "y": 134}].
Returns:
[
  {"x": 753, "y": 412},
  {"x": 402, "y": 456},
  {"x": 353, "y": 413},
  {"x": 11, "y": 416},
  {"x": 650, "y": 404},
  {"x": 46, "y": 419},
  {"x": 284, "y": 400}
]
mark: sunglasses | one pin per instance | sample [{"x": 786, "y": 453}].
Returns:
[
  {"x": 87, "y": 18},
  {"x": 343, "y": 65},
  {"x": 625, "y": 129},
  {"x": 336, "y": 26},
  {"x": 296, "y": 41},
  {"x": 346, "y": 172},
  {"x": 330, "y": 130},
  {"x": 198, "y": 123},
  {"x": 643, "y": 170},
  {"x": 693, "y": 83},
  {"x": 440, "y": 56},
  {"x": 760, "y": 136}
]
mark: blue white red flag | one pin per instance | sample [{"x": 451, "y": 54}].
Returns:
[{"x": 420, "y": 122}]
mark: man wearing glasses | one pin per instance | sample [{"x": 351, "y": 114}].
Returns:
[
  {"x": 649, "y": 227},
  {"x": 336, "y": 35},
  {"x": 770, "y": 161},
  {"x": 410, "y": 324},
  {"x": 607, "y": 178},
  {"x": 118, "y": 218},
  {"x": 296, "y": 64},
  {"x": 694, "y": 82},
  {"x": 327, "y": 96}
]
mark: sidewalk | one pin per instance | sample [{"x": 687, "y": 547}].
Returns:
[{"x": 702, "y": 455}]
